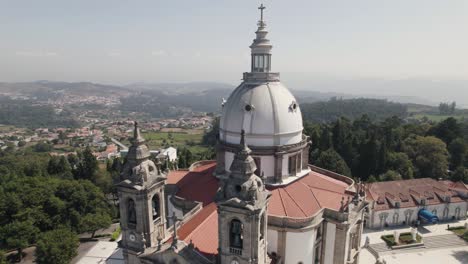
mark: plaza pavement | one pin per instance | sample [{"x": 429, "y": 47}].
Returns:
[{"x": 449, "y": 255}]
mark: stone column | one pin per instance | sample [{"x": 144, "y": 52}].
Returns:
[
  {"x": 220, "y": 160},
  {"x": 278, "y": 167}
]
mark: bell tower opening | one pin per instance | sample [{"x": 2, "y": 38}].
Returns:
[
  {"x": 236, "y": 234},
  {"x": 155, "y": 206},
  {"x": 131, "y": 212}
]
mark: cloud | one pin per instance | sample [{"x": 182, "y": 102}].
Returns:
[
  {"x": 36, "y": 53},
  {"x": 159, "y": 53}
]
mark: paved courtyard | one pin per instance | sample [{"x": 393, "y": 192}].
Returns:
[
  {"x": 441, "y": 246},
  {"x": 102, "y": 252}
]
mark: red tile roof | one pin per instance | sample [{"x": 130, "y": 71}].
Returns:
[
  {"x": 306, "y": 196},
  {"x": 197, "y": 185},
  {"x": 302, "y": 198},
  {"x": 202, "y": 230},
  {"x": 409, "y": 192}
]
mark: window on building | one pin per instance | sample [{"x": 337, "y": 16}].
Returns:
[
  {"x": 262, "y": 226},
  {"x": 318, "y": 244},
  {"x": 261, "y": 63},
  {"x": 319, "y": 233},
  {"x": 258, "y": 164},
  {"x": 155, "y": 205},
  {"x": 294, "y": 164},
  {"x": 317, "y": 252},
  {"x": 131, "y": 211},
  {"x": 236, "y": 234}
]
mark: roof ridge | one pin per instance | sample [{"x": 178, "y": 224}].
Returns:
[
  {"x": 313, "y": 194},
  {"x": 295, "y": 202},
  {"x": 322, "y": 189},
  {"x": 281, "y": 199}
]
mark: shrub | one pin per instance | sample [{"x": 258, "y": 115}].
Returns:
[
  {"x": 116, "y": 234},
  {"x": 405, "y": 238}
]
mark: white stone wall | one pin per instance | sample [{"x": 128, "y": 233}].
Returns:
[
  {"x": 272, "y": 241},
  {"x": 397, "y": 216},
  {"x": 299, "y": 247},
  {"x": 329, "y": 243},
  {"x": 171, "y": 208}
]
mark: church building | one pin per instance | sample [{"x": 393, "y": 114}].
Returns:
[{"x": 259, "y": 202}]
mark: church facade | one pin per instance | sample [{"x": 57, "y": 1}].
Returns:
[{"x": 259, "y": 202}]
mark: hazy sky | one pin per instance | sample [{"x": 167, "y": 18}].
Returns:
[{"x": 117, "y": 41}]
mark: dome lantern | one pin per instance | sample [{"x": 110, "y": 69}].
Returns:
[{"x": 261, "y": 47}]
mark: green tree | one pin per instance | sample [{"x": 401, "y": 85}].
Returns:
[
  {"x": 3, "y": 259},
  {"x": 447, "y": 130},
  {"x": 87, "y": 165},
  {"x": 458, "y": 151},
  {"x": 57, "y": 247},
  {"x": 42, "y": 147},
  {"x": 390, "y": 176},
  {"x": 210, "y": 138},
  {"x": 429, "y": 156},
  {"x": 93, "y": 222},
  {"x": 332, "y": 161},
  {"x": 460, "y": 174},
  {"x": 371, "y": 179},
  {"x": 369, "y": 157},
  {"x": 401, "y": 163},
  {"x": 19, "y": 235}
]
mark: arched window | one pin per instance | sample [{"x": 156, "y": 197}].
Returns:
[
  {"x": 446, "y": 213},
  {"x": 155, "y": 206},
  {"x": 395, "y": 218},
  {"x": 457, "y": 213},
  {"x": 236, "y": 236},
  {"x": 262, "y": 226},
  {"x": 131, "y": 212}
]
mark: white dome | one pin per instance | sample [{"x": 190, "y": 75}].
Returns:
[{"x": 268, "y": 113}]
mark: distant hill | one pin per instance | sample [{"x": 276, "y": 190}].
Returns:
[
  {"x": 175, "y": 99},
  {"x": 25, "y": 113},
  {"x": 331, "y": 110},
  {"x": 47, "y": 89}
]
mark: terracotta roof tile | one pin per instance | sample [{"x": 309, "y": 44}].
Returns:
[
  {"x": 302, "y": 198},
  {"x": 202, "y": 230},
  {"x": 401, "y": 191}
]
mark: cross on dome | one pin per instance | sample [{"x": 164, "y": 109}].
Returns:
[{"x": 261, "y": 7}]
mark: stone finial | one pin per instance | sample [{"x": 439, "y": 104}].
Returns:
[{"x": 242, "y": 140}]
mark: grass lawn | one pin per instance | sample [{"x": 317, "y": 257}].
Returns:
[
  {"x": 460, "y": 231},
  {"x": 188, "y": 139},
  {"x": 437, "y": 118}
]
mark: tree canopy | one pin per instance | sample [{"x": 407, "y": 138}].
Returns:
[{"x": 58, "y": 246}]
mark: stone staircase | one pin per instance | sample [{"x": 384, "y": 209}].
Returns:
[
  {"x": 443, "y": 241},
  {"x": 430, "y": 242},
  {"x": 380, "y": 247}
]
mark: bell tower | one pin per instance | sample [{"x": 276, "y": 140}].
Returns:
[
  {"x": 141, "y": 201},
  {"x": 242, "y": 211}
]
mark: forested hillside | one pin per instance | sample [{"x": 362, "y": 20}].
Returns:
[
  {"x": 391, "y": 149},
  {"x": 375, "y": 109},
  {"x": 25, "y": 113},
  {"x": 43, "y": 197}
]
